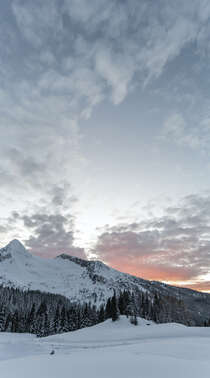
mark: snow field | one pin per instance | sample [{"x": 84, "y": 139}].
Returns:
[{"x": 109, "y": 350}]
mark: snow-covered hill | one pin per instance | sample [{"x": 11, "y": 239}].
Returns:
[
  {"x": 77, "y": 279},
  {"x": 107, "y": 350},
  {"x": 84, "y": 281}
]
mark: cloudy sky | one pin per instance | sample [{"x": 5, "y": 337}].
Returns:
[{"x": 105, "y": 133}]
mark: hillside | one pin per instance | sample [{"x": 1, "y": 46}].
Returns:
[{"x": 92, "y": 281}]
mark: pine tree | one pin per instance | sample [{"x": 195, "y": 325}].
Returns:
[
  {"x": 108, "y": 313},
  {"x": 2, "y": 319},
  {"x": 8, "y": 323},
  {"x": 64, "y": 320},
  {"x": 101, "y": 315},
  {"x": 134, "y": 320},
  {"x": 56, "y": 320},
  {"x": 121, "y": 304},
  {"x": 114, "y": 308},
  {"x": 30, "y": 320},
  {"x": 46, "y": 325},
  {"x": 15, "y": 321}
]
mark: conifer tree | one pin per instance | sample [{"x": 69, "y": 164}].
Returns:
[
  {"x": 30, "y": 320},
  {"x": 56, "y": 320},
  {"x": 15, "y": 322},
  {"x": 114, "y": 308},
  {"x": 101, "y": 315},
  {"x": 108, "y": 313},
  {"x": 2, "y": 319}
]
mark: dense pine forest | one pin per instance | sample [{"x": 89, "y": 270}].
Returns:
[{"x": 45, "y": 314}]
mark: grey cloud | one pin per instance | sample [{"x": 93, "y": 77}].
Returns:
[
  {"x": 74, "y": 54},
  {"x": 176, "y": 129},
  {"x": 48, "y": 233},
  {"x": 59, "y": 195},
  {"x": 28, "y": 165},
  {"x": 37, "y": 21},
  {"x": 177, "y": 242},
  {"x": 122, "y": 38},
  {"x": 3, "y": 229},
  {"x": 50, "y": 224},
  {"x": 51, "y": 235}
]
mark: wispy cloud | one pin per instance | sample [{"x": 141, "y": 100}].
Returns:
[
  {"x": 178, "y": 130},
  {"x": 59, "y": 60},
  {"x": 70, "y": 56},
  {"x": 174, "y": 247}
]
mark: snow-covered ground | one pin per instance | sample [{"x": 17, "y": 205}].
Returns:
[{"x": 109, "y": 350}]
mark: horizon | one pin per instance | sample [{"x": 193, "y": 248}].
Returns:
[{"x": 105, "y": 131}]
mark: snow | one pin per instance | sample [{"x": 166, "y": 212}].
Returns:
[
  {"x": 109, "y": 350},
  {"x": 62, "y": 275}
]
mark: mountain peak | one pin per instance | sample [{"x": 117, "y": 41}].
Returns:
[
  {"x": 16, "y": 244},
  {"x": 13, "y": 249}
]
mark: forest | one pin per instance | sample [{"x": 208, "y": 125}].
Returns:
[{"x": 46, "y": 314}]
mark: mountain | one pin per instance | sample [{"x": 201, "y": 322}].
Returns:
[
  {"x": 92, "y": 281},
  {"x": 77, "y": 279}
]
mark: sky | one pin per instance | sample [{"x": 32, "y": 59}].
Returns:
[{"x": 105, "y": 132}]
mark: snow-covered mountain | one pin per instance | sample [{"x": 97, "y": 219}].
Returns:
[
  {"x": 84, "y": 281},
  {"x": 77, "y": 279}
]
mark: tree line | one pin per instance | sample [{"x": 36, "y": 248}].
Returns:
[{"x": 46, "y": 314}]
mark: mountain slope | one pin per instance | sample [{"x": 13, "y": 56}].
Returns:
[
  {"x": 84, "y": 281},
  {"x": 77, "y": 279}
]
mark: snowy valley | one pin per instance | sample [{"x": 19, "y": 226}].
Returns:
[{"x": 109, "y": 350}]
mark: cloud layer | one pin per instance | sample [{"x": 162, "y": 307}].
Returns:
[
  {"x": 48, "y": 228},
  {"x": 59, "y": 59},
  {"x": 174, "y": 247}
]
